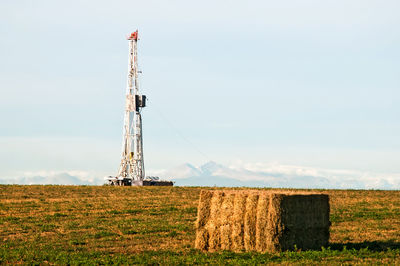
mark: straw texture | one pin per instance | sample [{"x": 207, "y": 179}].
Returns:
[{"x": 255, "y": 220}]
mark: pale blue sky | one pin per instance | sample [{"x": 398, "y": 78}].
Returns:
[{"x": 314, "y": 83}]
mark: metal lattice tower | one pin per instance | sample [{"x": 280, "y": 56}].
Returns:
[{"x": 132, "y": 162}]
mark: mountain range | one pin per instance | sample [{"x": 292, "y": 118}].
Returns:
[
  {"x": 277, "y": 176},
  {"x": 237, "y": 175}
]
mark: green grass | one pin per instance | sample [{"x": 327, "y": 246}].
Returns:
[
  {"x": 150, "y": 225},
  {"x": 80, "y": 255}
]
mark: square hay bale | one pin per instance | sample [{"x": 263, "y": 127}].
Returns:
[{"x": 256, "y": 220}]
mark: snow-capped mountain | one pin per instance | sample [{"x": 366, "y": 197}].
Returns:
[
  {"x": 278, "y": 176},
  {"x": 182, "y": 171}
]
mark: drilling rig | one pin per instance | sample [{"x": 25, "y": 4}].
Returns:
[{"x": 131, "y": 169}]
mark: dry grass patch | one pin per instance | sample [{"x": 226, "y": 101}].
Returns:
[{"x": 59, "y": 224}]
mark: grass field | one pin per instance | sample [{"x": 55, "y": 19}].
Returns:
[{"x": 155, "y": 225}]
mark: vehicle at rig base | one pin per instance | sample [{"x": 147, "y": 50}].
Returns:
[{"x": 148, "y": 181}]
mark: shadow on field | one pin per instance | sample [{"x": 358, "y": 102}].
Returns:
[{"x": 371, "y": 245}]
